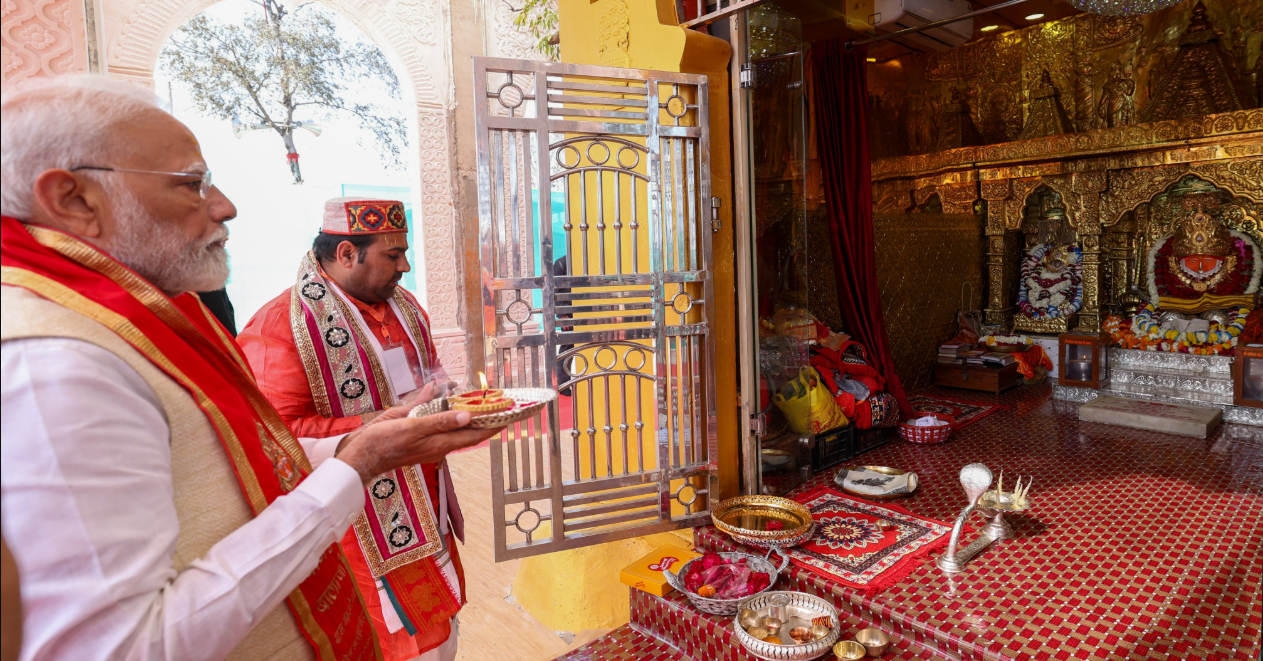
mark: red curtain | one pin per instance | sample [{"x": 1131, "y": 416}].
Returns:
[{"x": 841, "y": 111}]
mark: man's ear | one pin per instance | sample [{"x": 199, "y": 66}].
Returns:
[
  {"x": 346, "y": 254},
  {"x": 70, "y": 203}
]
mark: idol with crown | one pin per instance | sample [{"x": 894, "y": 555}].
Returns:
[{"x": 1202, "y": 283}]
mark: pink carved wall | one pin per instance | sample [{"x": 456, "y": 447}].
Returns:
[{"x": 41, "y": 38}]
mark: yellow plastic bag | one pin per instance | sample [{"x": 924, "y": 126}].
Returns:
[{"x": 808, "y": 405}]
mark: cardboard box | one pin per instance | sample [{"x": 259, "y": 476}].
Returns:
[{"x": 646, "y": 573}]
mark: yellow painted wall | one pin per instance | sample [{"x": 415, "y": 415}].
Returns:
[{"x": 579, "y": 589}]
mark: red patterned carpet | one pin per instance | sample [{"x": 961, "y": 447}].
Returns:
[{"x": 1139, "y": 545}]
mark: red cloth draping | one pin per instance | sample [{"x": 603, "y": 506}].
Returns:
[{"x": 841, "y": 111}]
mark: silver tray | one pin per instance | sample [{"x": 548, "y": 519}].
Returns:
[
  {"x": 801, "y": 605},
  {"x": 724, "y": 606},
  {"x": 528, "y": 402}
]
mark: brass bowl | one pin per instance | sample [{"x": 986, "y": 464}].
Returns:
[
  {"x": 849, "y": 650},
  {"x": 875, "y": 641},
  {"x": 745, "y": 518},
  {"x": 840, "y": 476}
]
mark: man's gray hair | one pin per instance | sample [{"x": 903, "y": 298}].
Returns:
[{"x": 61, "y": 122}]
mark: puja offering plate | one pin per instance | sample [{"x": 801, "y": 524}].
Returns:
[
  {"x": 839, "y": 479},
  {"x": 717, "y": 606},
  {"x": 526, "y": 403},
  {"x": 764, "y": 521},
  {"x": 806, "y": 626}
]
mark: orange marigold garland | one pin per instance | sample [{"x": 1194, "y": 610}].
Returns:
[{"x": 1145, "y": 333}]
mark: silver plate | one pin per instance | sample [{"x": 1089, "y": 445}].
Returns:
[
  {"x": 527, "y": 403},
  {"x": 724, "y": 606},
  {"x": 802, "y": 605}
]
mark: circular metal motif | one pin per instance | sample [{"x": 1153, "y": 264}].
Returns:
[
  {"x": 510, "y": 96},
  {"x": 682, "y": 303},
  {"x": 640, "y": 353},
  {"x": 351, "y": 388},
  {"x": 688, "y": 489},
  {"x": 572, "y": 368},
  {"x": 313, "y": 291},
  {"x": 602, "y": 145},
  {"x": 596, "y": 358},
  {"x": 383, "y": 488},
  {"x": 337, "y": 337},
  {"x": 401, "y": 536},
  {"x": 561, "y": 157},
  {"x": 531, "y": 515},
  {"x": 518, "y": 312},
  {"x": 676, "y": 106},
  {"x": 618, "y": 158}
]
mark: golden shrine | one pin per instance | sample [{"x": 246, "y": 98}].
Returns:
[{"x": 1128, "y": 121}]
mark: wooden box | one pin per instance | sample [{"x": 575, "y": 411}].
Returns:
[
  {"x": 1247, "y": 377},
  {"x": 977, "y": 377},
  {"x": 1082, "y": 360}
]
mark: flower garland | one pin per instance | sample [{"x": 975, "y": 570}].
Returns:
[
  {"x": 1146, "y": 333},
  {"x": 1059, "y": 304},
  {"x": 1244, "y": 280}
]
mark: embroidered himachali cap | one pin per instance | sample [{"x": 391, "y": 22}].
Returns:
[{"x": 358, "y": 215}]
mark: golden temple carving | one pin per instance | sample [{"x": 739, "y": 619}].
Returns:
[
  {"x": 1081, "y": 91},
  {"x": 1200, "y": 81}
]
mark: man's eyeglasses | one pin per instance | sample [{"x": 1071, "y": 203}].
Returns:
[{"x": 203, "y": 188}]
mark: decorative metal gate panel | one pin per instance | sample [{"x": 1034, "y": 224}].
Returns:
[{"x": 595, "y": 231}]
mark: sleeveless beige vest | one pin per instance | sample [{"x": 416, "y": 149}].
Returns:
[{"x": 208, "y": 500}]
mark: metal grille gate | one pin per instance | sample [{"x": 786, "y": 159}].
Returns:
[{"x": 594, "y": 224}]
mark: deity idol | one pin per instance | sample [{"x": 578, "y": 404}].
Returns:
[
  {"x": 1051, "y": 290},
  {"x": 1202, "y": 282},
  {"x": 1203, "y": 266}
]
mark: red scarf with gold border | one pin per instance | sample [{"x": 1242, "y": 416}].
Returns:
[{"x": 180, "y": 337}]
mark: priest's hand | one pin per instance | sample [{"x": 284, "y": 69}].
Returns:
[
  {"x": 390, "y": 444},
  {"x": 410, "y": 401}
]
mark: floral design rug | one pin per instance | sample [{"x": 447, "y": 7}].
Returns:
[
  {"x": 966, "y": 413},
  {"x": 865, "y": 545}
]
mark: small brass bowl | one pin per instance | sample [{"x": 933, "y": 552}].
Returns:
[
  {"x": 874, "y": 640},
  {"x": 800, "y": 634},
  {"x": 848, "y": 650}
]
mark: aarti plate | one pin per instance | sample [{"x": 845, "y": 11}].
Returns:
[
  {"x": 527, "y": 402},
  {"x": 840, "y": 477}
]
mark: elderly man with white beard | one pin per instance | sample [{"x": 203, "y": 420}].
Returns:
[{"x": 155, "y": 503}]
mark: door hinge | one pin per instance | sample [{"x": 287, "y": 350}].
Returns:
[
  {"x": 747, "y": 77},
  {"x": 758, "y": 423},
  {"x": 715, "y": 222}
]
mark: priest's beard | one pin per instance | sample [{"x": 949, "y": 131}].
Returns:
[{"x": 162, "y": 253}]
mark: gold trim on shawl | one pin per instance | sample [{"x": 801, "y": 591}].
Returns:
[
  {"x": 384, "y": 387},
  {"x": 415, "y": 322},
  {"x": 73, "y": 300},
  {"x": 224, "y": 339},
  {"x": 303, "y": 342},
  {"x": 161, "y": 305},
  {"x": 378, "y": 565}
]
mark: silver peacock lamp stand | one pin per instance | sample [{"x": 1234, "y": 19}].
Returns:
[{"x": 993, "y": 503}]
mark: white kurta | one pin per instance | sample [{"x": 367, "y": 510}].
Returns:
[{"x": 88, "y": 512}]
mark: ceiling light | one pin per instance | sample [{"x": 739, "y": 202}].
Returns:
[
  {"x": 988, "y": 28},
  {"x": 1034, "y": 17},
  {"x": 872, "y": 59},
  {"x": 1121, "y": 7}
]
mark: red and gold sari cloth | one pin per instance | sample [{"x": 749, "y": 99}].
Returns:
[
  {"x": 403, "y": 547},
  {"x": 180, "y": 337}
]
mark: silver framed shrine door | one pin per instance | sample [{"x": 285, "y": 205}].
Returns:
[{"x": 595, "y": 232}]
